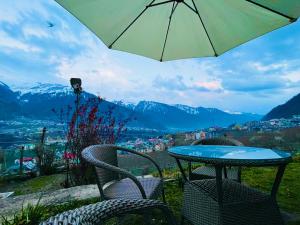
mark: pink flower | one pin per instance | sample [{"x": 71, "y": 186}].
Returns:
[{"x": 69, "y": 155}]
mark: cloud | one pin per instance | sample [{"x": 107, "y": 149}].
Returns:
[
  {"x": 35, "y": 31},
  {"x": 262, "y": 76},
  {"x": 172, "y": 83},
  {"x": 254, "y": 84},
  {"x": 209, "y": 85},
  {"x": 177, "y": 83},
  {"x": 9, "y": 43},
  {"x": 293, "y": 76},
  {"x": 100, "y": 73},
  {"x": 14, "y": 11},
  {"x": 260, "y": 67}
]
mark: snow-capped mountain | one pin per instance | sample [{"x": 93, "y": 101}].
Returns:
[
  {"x": 39, "y": 100},
  {"x": 187, "y": 109},
  {"x": 128, "y": 105},
  {"x": 152, "y": 107},
  {"x": 186, "y": 117},
  {"x": 49, "y": 89}
]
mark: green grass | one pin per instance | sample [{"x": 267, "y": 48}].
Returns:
[
  {"x": 28, "y": 186},
  {"x": 37, "y": 184}
]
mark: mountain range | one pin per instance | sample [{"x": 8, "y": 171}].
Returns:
[{"x": 37, "y": 102}]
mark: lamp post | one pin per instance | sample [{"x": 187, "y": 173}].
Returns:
[{"x": 76, "y": 85}]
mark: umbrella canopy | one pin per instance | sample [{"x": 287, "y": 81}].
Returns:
[{"x": 175, "y": 29}]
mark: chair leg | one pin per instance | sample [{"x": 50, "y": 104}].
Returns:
[
  {"x": 181, "y": 183},
  {"x": 163, "y": 195},
  {"x": 239, "y": 175}
]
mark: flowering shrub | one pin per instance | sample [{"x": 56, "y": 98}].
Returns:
[
  {"x": 89, "y": 124},
  {"x": 69, "y": 156}
]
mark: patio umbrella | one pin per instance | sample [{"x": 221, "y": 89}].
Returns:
[{"x": 175, "y": 29}]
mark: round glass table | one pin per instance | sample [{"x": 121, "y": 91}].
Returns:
[
  {"x": 231, "y": 155},
  {"x": 220, "y": 157}
]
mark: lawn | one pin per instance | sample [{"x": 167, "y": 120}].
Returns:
[{"x": 37, "y": 184}]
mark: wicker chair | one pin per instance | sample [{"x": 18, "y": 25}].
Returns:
[
  {"x": 208, "y": 172},
  {"x": 241, "y": 205},
  {"x": 115, "y": 182},
  {"x": 96, "y": 214}
]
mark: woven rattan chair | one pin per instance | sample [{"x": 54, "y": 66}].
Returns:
[
  {"x": 97, "y": 214},
  {"x": 241, "y": 205},
  {"x": 208, "y": 172},
  {"x": 115, "y": 182}
]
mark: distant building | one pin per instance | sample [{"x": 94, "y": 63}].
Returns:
[
  {"x": 190, "y": 136},
  {"x": 202, "y": 135}
]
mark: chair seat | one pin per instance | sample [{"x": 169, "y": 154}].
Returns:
[
  {"x": 206, "y": 172},
  {"x": 127, "y": 189}
]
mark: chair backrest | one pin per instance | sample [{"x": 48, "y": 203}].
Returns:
[
  {"x": 218, "y": 141},
  {"x": 102, "y": 154}
]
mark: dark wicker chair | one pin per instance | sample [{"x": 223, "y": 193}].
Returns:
[
  {"x": 96, "y": 214},
  {"x": 208, "y": 172},
  {"x": 115, "y": 182},
  {"x": 241, "y": 205}
]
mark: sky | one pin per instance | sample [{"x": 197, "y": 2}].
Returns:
[{"x": 254, "y": 77}]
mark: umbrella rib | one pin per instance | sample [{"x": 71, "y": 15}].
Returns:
[
  {"x": 167, "y": 33},
  {"x": 272, "y": 10},
  {"x": 161, "y": 3},
  {"x": 190, "y": 7},
  {"x": 120, "y": 35},
  {"x": 210, "y": 41}
]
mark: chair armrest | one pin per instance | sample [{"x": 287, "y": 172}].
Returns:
[
  {"x": 86, "y": 154},
  {"x": 142, "y": 155}
]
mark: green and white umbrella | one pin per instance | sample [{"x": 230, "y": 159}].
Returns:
[{"x": 176, "y": 29}]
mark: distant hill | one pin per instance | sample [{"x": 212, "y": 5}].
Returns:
[
  {"x": 287, "y": 110},
  {"x": 37, "y": 103}
]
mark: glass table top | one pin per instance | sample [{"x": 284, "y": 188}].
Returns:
[{"x": 215, "y": 152}]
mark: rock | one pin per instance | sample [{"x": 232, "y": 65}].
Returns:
[
  {"x": 5, "y": 195},
  {"x": 12, "y": 205}
]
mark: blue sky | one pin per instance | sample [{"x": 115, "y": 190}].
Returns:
[{"x": 254, "y": 77}]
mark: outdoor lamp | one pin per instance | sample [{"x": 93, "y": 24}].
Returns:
[{"x": 76, "y": 85}]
